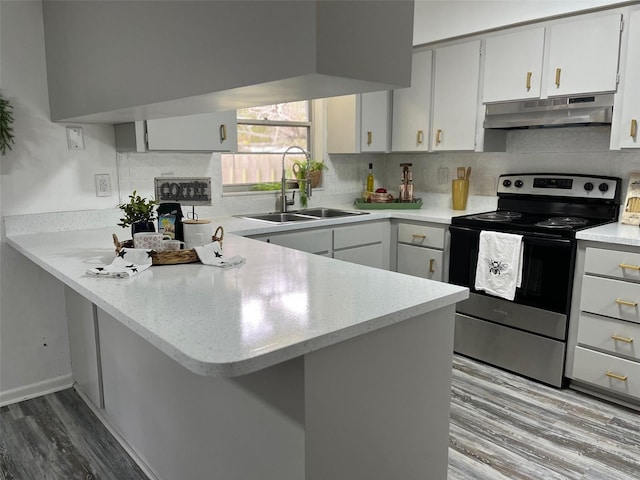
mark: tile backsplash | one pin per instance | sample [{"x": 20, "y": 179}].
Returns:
[{"x": 556, "y": 150}]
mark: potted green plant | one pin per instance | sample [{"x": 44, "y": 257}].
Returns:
[
  {"x": 138, "y": 213},
  {"x": 314, "y": 175}
]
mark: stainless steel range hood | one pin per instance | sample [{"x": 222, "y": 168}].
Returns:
[{"x": 551, "y": 112}]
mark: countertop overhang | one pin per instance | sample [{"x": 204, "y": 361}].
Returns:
[{"x": 279, "y": 305}]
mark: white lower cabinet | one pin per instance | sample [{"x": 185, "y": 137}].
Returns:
[
  {"x": 421, "y": 250},
  {"x": 363, "y": 243},
  {"x": 606, "y": 357},
  {"x": 420, "y": 261},
  {"x": 316, "y": 241}
]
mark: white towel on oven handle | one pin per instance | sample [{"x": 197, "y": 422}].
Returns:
[{"x": 500, "y": 262}]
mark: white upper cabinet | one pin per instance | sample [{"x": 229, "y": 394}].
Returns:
[
  {"x": 583, "y": 56},
  {"x": 513, "y": 66},
  {"x": 628, "y": 127},
  {"x": 202, "y": 132},
  {"x": 412, "y": 108},
  {"x": 569, "y": 58},
  {"x": 359, "y": 123},
  {"x": 455, "y": 99},
  {"x": 375, "y": 132}
]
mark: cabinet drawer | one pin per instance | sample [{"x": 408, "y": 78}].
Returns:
[
  {"x": 361, "y": 234},
  {"x": 313, "y": 241},
  {"x": 421, "y": 235},
  {"x": 610, "y": 334},
  {"x": 612, "y": 263},
  {"x": 606, "y": 371},
  {"x": 613, "y": 298},
  {"x": 420, "y": 262}
]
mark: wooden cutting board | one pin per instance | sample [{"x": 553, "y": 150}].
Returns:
[{"x": 631, "y": 212}]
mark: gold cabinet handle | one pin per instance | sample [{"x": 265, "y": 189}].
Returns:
[
  {"x": 223, "y": 132},
  {"x": 420, "y": 138},
  {"x": 626, "y": 303},
  {"x": 369, "y": 138},
  {"x": 529, "y": 80},
  {"x": 634, "y": 128},
  {"x": 616, "y": 376},
  {"x": 629, "y": 267},
  {"x": 438, "y": 136},
  {"x": 431, "y": 262},
  {"x": 558, "y": 71},
  {"x": 418, "y": 236},
  {"x": 622, "y": 339}
]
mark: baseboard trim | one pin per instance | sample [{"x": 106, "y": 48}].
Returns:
[{"x": 37, "y": 389}]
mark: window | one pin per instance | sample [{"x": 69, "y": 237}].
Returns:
[{"x": 264, "y": 133}]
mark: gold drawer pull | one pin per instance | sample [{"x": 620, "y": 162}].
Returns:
[
  {"x": 622, "y": 339},
  {"x": 420, "y": 138},
  {"x": 558, "y": 71},
  {"x": 629, "y": 267},
  {"x": 626, "y": 303},
  {"x": 369, "y": 138},
  {"x": 418, "y": 236},
  {"x": 616, "y": 376},
  {"x": 431, "y": 262},
  {"x": 223, "y": 132},
  {"x": 634, "y": 128},
  {"x": 438, "y": 137},
  {"x": 529, "y": 80}
]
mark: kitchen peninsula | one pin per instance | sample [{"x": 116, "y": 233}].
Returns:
[{"x": 290, "y": 366}]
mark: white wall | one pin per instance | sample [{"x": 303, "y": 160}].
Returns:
[
  {"x": 39, "y": 175},
  {"x": 439, "y": 19}
]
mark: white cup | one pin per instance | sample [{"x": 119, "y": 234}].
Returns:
[
  {"x": 149, "y": 240},
  {"x": 171, "y": 245},
  {"x": 197, "y": 232}
]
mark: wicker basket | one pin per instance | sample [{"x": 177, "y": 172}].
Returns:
[
  {"x": 174, "y": 257},
  {"x": 315, "y": 176}
]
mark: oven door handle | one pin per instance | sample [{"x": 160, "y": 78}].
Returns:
[{"x": 527, "y": 239}]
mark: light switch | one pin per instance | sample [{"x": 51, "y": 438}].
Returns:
[{"x": 75, "y": 139}]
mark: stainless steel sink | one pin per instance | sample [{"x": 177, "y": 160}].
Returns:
[
  {"x": 322, "y": 212},
  {"x": 301, "y": 215},
  {"x": 278, "y": 217}
]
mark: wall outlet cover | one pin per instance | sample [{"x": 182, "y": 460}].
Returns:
[{"x": 103, "y": 185}]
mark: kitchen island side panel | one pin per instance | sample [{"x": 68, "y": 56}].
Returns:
[
  {"x": 189, "y": 427},
  {"x": 377, "y": 406}
]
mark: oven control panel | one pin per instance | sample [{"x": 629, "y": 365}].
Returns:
[{"x": 560, "y": 185}]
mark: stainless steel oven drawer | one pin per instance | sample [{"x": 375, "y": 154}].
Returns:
[{"x": 530, "y": 355}]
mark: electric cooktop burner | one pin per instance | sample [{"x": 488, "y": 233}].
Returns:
[
  {"x": 563, "y": 222},
  {"x": 499, "y": 216}
]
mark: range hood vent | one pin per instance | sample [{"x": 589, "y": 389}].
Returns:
[{"x": 551, "y": 112}]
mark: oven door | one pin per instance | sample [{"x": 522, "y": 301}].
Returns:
[{"x": 547, "y": 273}]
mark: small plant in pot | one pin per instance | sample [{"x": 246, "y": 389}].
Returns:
[
  {"x": 314, "y": 175},
  {"x": 138, "y": 213}
]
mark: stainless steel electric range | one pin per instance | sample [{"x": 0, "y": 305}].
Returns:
[{"x": 528, "y": 335}]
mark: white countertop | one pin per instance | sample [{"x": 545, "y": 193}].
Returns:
[
  {"x": 279, "y": 305},
  {"x": 614, "y": 233}
]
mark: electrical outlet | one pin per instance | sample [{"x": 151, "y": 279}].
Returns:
[
  {"x": 103, "y": 185},
  {"x": 75, "y": 139},
  {"x": 443, "y": 175}
]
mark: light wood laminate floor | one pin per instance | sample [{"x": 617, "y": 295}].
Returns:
[{"x": 502, "y": 427}]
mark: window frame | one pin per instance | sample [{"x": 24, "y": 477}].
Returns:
[{"x": 248, "y": 188}]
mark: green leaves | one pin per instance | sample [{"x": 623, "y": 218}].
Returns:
[
  {"x": 6, "y": 124},
  {"x": 138, "y": 209}
]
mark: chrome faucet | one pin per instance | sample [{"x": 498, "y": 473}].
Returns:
[{"x": 283, "y": 201}]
